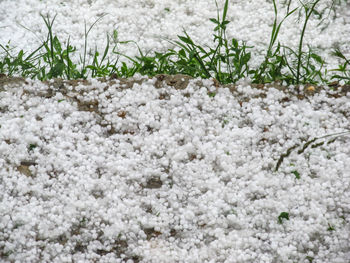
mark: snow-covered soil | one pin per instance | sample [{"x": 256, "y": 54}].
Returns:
[
  {"x": 106, "y": 171},
  {"x": 146, "y": 170}
]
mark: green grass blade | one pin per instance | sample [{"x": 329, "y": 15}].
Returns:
[{"x": 225, "y": 11}]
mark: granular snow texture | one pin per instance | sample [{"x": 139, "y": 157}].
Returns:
[
  {"x": 102, "y": 172},
  {"x": 138, "y": 171}
]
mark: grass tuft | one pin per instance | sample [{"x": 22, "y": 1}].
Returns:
[
  {"x": 342, "y": 68},
  {"x": 228, "y": 60},
  {"x": 283, "y": 215}
]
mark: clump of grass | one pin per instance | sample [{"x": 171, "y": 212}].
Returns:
[
  {"x": 296, "y": 173},
  {"x": 52, "y": 63},
  {"x": 56, "y": 57},
  {"x": 344, "y": 71},
  {"x": 283, "y": 215},
  {"x": 105, "y": 66},
  {"x": 31, "y": 147},
  {"x": 283, "y": 63},
  {"x": 330, "y": 227},
  {"x": 228, "y": 61},
  {"x": 305, "y": 70},
  {"x": 19, "y": 64},
  {"x": 271, "y": 68},
  {"x": 52, "y": 59}
]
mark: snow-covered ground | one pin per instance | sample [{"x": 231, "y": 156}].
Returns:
[
  {"x": 166, "y": 175},
  {"x": 102, "y": 173}
]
